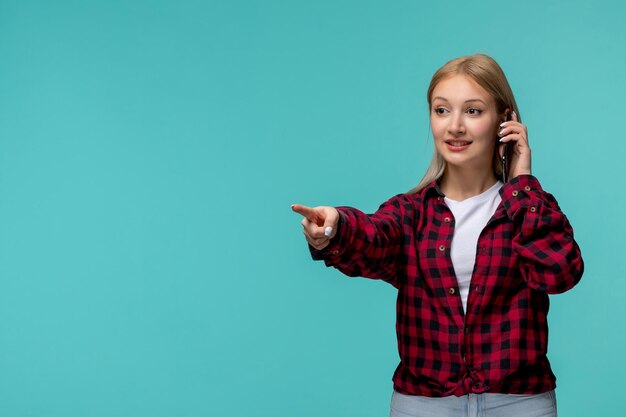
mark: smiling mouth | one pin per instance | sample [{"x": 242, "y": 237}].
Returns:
[{"x": 457, "y": 143}]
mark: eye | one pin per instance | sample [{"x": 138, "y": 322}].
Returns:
[
  {"x": 473, "y": 111},
  {"x": 439, "y": 110}
]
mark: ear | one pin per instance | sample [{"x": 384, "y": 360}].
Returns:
[{"x": 507, "y": 115}]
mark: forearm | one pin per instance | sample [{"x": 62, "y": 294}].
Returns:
[
  {"x": 550, "y": 259},
  {"x": 366, "y": 245}
]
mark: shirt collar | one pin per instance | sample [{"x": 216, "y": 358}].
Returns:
[{"x": 432, "y": 189}]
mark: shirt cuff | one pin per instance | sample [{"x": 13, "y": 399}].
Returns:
[{"x": 522, "y": 192}]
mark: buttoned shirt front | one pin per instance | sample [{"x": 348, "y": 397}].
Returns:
[{"x": 526, "y": 251}]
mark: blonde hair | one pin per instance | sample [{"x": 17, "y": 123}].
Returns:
[{"x": 486, "y": 72}]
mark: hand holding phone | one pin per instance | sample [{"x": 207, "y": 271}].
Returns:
[
  {"x": 515, "y": 157},
  {"x": 504, "y": 156}
]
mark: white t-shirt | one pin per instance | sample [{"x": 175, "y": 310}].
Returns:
[{"x": 471, "y": 216}]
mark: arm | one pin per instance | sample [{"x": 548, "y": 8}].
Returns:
[
  {"x": 365, "y": 245},
  {"x": 550, "y": 259}
]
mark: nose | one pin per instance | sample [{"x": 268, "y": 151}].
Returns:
[{"x": 456, "y": 126}]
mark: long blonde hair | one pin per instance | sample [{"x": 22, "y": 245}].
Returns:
[{"x": 486, "y": 72}]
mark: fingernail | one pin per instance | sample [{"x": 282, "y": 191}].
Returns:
[
  {"x": 501, "y": 139},
  {"x": 500, "y": 132},
  {"x": 502, "y": 124},
  {"x": 328, "y": 231}
]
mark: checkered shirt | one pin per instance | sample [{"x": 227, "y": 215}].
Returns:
[{"x": 525, "y": 252}]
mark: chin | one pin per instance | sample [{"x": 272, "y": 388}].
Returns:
[{"x": 467, "y": 161}]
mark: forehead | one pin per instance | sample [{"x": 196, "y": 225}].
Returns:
[{"x": 460, "y": 87}]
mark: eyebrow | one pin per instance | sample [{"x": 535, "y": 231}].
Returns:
[{"x": 466, "y": 101}]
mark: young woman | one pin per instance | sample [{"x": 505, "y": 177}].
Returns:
[{"x": 473, "y": 254}]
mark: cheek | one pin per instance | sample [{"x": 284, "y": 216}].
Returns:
[
  {"x": 485, "y": 129},
  {"x": 438, "y": 127}
]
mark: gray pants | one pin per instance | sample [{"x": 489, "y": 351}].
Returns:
[{"x": 475, "y": 405}]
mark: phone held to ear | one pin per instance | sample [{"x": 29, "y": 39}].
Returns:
[{"x": 505, "y": 156}]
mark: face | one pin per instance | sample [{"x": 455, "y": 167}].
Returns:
[{"x": 465, "y": 122}]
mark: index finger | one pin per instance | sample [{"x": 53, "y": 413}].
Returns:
[{"x": 305, "y": 211}]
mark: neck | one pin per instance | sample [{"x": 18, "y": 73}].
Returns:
[{"x": 462, "y": 183}]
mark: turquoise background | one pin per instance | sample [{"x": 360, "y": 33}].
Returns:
[{"x": 149, "y": 153}]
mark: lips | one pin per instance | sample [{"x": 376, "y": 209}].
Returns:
[{"x": 457, "y": 144}]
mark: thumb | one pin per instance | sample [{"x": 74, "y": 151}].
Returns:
[{"x": 330, "y": 223}]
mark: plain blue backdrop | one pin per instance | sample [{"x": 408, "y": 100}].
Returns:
[{"x": 149, "y": 153}]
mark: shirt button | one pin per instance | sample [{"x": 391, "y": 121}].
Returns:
[
  {"x": 447, "y": 219},
  {"x": 335, "y": 252},
  {"x": 466, "y": 330},
  {"x": 527, "y": 188},
  {"x": 451, "y": 291},
  {"x": 442, "y": 248},
  {"x": 533, "y": 209},
  {"x": 515, "y": 193}
]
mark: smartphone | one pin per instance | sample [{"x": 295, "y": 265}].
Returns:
[{"x": 505, "y": 157}]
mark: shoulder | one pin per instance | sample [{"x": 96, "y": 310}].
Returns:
[
  {"x": 405, "y": 206},
  {"x": 404, "y": 201}
]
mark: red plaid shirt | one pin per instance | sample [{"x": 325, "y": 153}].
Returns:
[{"x": 526, "y": 251}]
